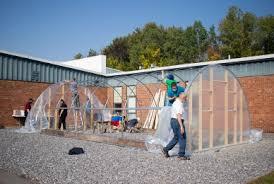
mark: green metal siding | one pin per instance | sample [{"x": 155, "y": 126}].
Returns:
[{"x": 18, "y": 68}]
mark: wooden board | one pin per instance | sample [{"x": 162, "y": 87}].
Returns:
[
  {"x": 49, "y": 106},
  {"x": 150, "y": 113},
  {"x": 189, "y": 139},
  {"x": 226, "y": 108},
  {"x": 235, "y": 113},
  {"x": 211, "y": 108},
  {"x": 161, "y": 104},
  {"x": 200, "y": 117},
  {"x": 154, "y": 112}
]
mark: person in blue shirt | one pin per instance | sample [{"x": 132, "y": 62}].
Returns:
[{"x": 174, "y": 92}]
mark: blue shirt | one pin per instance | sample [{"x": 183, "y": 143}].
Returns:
[{"x": 176, "y": 93}]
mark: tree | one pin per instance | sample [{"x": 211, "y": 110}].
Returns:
[
  {"x": 231, "y": 34},
  {"x": 174, "y": 47},
  {"x": 240, "y": 34},
  {"x": 264, "y": 35},
  {"x": 213, "y": 51},
  {"x": 92, "y": 52},
  {"x": 78, "y": 56},
  {"x": 202, "y": 40}
]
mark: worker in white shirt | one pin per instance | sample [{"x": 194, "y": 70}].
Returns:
[{"x": 177, "y": 125}]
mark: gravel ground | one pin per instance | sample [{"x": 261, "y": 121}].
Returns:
[
  {"x": 44, "y": 158},
  {"x": 125, "y": 135}
]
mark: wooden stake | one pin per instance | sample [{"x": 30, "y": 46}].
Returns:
[
  {"x": 49, "y": 106},
  {"x": 241, "y": 116},
  {"x": 85, "y": 115},
  {"x": 189, "y": 119},
  {"x": 211, "y": 108},
  {"x": 55, "y": 118},
  {"x": 200, "y": 128},
  {"x": 235, "y": 112},
  {"x": 226, "y": 108},
  {"x": 63, "y": 91},
  {"x": 91, "y": 113}
]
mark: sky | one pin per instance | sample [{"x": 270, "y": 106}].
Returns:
[{"x": 58, "y": 29}]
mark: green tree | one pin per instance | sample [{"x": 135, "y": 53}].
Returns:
[
  {"x": 264, "y": 35},
  {"x": 213, "y": 45},
  {"x": 174, "y": 47},
  {"x": 92, "y": 52},
  {"x": 78, "y": 56}
]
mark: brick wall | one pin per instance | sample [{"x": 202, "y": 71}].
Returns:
[
  {"x": 259, "y": 93},
  {"x": 13, "y": 95}
]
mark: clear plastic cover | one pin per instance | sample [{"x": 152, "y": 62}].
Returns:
[
  {"x": 216, "y": 113},
  {"x": 44, "y": 113}
]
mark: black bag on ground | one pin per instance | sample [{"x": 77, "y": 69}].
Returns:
[{"x": 76, "y": 151}]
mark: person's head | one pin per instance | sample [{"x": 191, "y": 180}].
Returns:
[
  {"x": 62, "y": 101},
  {"x": 30, "y": 100},
  {"x": 74, "y": 79},
  {"x": 182, "y": 96},
  {"x": 174, "y": 86},
  {"x": 183, "y": 84},
  {"x": 186, "y": 83}
]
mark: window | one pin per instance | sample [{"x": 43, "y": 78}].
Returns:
[
  {"x": 131, "y": 101},
  {"x": 117, "y": 99}
]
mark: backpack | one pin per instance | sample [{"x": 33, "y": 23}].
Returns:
[{"x": 76, "y": 151}]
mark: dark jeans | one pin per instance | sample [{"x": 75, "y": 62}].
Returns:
[
  {"x": 178, "y": 137},
  {"x": 62, "y": 120}
]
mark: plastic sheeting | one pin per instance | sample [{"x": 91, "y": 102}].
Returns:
[
  {"x": 163, "y": 134},
  {"x": 256, "y": 135},
  {"x": 216, "y": 113},
  {"x": 44, "y": 112}
]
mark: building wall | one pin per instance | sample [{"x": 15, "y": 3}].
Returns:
[
  {"x": 14, "y": 95},
  {"x": 259, "y": 91}
]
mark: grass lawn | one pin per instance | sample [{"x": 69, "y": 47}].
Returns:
[{"x": 267, "y": 179}]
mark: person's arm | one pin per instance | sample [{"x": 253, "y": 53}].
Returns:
[
  {"x": 171, "y": 98},
  {"x": 179, "y": 118}
]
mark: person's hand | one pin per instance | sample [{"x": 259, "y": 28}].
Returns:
[{"x": 182, "y": 130}]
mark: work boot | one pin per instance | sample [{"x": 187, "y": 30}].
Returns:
[
  {"x": 184, "y": 157},
  {"x": 165, "y": 152}
]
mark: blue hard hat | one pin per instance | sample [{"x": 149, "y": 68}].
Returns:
[{"x": 170, "y": 76}]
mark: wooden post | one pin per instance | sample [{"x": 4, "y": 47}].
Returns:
[
  {"x": 91, "y": 113},
  {"x": 241, "y": 116},
  {"x": 211, "y": 108},
  {"x": 200, "y": 121},
  {"x": 235, "y": 112},
  {"x": 49, "y": 110},
  {"x": 189, "y": 119},
  {"x": 85, "y": 115},
  {"x": 63, "y": 91},
  {"x": 55, "y": 118},
  {"x": 226, "y": 108}
]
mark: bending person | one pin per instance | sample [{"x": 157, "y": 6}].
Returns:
[{"x": 177, "y": 125}]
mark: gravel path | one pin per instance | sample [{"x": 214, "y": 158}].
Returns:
[{"x": 44, "y": 158}]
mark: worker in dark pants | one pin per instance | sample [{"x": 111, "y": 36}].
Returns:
[
  {"x": 62, "y": 114},
  {"x": 178, "y": 127}
]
